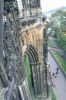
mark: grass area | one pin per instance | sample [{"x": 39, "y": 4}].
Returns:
[
  {"x": 64, "y": 47},
  {"x": 28, "y": 71},
  {"x": 60, "y": 60},
  {"x": 53, "y": 97},
  {"x": 51, "y": 43},
  {"x": 62, "y": 42}
]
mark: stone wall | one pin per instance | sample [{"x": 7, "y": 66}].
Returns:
[{"x": 34, "y": 36}]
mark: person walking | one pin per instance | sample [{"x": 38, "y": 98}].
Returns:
[{"x": 57, "y": 71}]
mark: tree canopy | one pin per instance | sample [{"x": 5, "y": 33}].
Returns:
[
  {"x": 56, "y": 26},
  {"x": 57, "y": 22}
]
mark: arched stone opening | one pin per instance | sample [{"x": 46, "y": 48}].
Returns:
[{"x": 34, "y": 62}]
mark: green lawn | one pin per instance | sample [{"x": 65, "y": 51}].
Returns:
[
  {"x": 53, "y": 97},
  {"x": 60, "y": 60},
  {"x": 64, "y": 47},
  {"x": 51, "y": 43},
  {"x": 62, "y": 42},
  {"x": 28, "y": 72}
]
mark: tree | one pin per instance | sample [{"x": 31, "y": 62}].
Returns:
[
  {"x": 57, "y": 22},
  {"x": 57, "y": 26}
]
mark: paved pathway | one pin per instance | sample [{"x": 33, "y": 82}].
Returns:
[{"x": 60, "y": 82}]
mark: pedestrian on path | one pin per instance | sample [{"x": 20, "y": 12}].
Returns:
[
  {"x": 53, "y": 82},
  {"x": 51, "y": 79},
  {"x": 57, "y": 71},
  {"x": 53, "y": 74}
]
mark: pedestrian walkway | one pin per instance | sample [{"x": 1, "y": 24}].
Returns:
[{"x": 60, "y": 82}]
